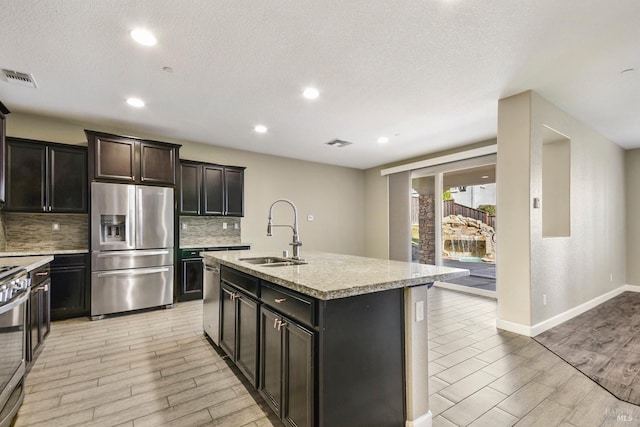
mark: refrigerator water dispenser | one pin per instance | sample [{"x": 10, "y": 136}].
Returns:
[{"x": 113, "y": 228}]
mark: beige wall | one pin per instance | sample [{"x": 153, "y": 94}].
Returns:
[
  {"x": 568, "y": 270},
  {"x": 632, "y": 168},
  {"x": 332, "y": 194}
]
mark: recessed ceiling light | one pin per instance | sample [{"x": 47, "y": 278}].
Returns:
[
  {"x": 260, "y": 129},
  {"x": 311, "y": 93},
  {"x": 383, "y": 140},
  {"x": 485, "y": 176},
  {"x": 144, "y": 37},
  {"x": 135, "y": 102}
]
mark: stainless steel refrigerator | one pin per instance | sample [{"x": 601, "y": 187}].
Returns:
[{"x": 132, "y": 260}]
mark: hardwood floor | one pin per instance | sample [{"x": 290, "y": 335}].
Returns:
[
  {"x": 155, "y": 368},
  {"x": 603, "y": 343}
]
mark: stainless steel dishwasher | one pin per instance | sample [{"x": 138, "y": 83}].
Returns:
[{"x": 211, "y": 303}]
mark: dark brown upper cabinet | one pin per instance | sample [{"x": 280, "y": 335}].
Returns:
[
  {"x": 114, "y": 158},
  {"x": 208, "y": 189},
  {"x": 3, "y": 131},
  {"x": 45, "y": 177}
]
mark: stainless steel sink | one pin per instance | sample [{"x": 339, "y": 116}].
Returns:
[{"x": 271, "y": 261}]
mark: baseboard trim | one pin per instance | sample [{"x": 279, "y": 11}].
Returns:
[
  {"x": 466, "y": 289},
  {"x": 538, "y": 328},
  {"x": 422, "y": 421}
]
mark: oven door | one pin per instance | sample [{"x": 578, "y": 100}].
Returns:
[{"x": 12, "y": 355}]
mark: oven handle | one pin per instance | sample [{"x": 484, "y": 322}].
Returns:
[
  {"x": 133, "y": 272},
  {"x": 131, "y": 253},
  {"x": 15, "y": 303}
]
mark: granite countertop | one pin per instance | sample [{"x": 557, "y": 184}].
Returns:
[
  {"x": 25, "y": 252},
  {"x": 28, "y": 262},
  {"x": 330, "y": 276},
  {"x": 215, "y": 245}
]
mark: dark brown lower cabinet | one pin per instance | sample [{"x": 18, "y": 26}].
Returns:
[
  {"x": 70, "y": 295},
  {"x": 286, "y": 368},
  {"x": 38, "y": 313},
  {"x": 239, "y": 330}
]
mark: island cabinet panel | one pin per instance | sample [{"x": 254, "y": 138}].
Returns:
[
  {"x": 287, "y": 368},
  {"x": 361, "y": 360},
  {"x": 239, "y": 329}
]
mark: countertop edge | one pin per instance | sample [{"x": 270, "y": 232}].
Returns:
[{"x": 18, "y": 253}]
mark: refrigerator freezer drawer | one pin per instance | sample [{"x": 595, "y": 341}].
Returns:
[
  {"x": 125, "y": 290},
  {"x": 120, "y": 260}
]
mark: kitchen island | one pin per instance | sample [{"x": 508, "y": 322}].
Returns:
[{"x": 337, "y": 340}]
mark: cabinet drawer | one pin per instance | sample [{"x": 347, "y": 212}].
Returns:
[
  {"x": 69, "y": 260},
  {"x": 190, "y": 253},
  {"x": 39, "y": 275},
  {"x": 243, "y": 281},
  {"x": 289, "y": 303}
]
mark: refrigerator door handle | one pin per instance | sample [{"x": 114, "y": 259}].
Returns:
[
  {"x": 132, "y": 253},
  {"x": 136, "y": 272}
]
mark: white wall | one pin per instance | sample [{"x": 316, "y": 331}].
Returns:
[
  {"x": 333, "y": 195},
  {"x": 568, "y": 270}
]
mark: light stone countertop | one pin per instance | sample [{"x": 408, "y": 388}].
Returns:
[
  {"x": 331, "y": 276},
  {"x": 15, "y": 253},
  {"x": 28, "y": 262},
  {"x": 215, "y": 245}
]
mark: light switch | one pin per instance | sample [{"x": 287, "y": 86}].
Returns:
[
  {"x": 419, "y": 311},
  {"x": 224, "y": 225}
]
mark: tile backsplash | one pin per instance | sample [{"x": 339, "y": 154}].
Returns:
[
  {"x": 30, "y": 231},
  {"x": 209, "y": 231}
]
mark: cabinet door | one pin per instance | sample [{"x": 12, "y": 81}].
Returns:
[
  {"x": 69, "y": 292},
  {"x": 247, "y": 337},
  {"x": 26, "y": 176},
  {"x": 68, "y": 179},
  {"x": 190, "y": 188},
  {"x": 115, "y": 159},
  {"x": 228, "y": 321},
  {"x": 234, "y": 186},
  {"x": 298, "y": 392},
  {"x": 3, "y": 133},
  {"x": 191, "y": 283},
  {"x": 157, "y": 163},
  {"x": 270, "y": 384},
  {"x": 32, "y": 320},
  {"x": 45, "y": 309},
  {"x": 213, "y": 189}
]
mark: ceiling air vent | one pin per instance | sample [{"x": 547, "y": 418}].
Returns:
[
  {"x": 338, "y": 143},
  {"x": 18, "y": 78}
]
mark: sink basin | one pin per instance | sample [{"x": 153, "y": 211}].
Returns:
[{"x": 271, "y": 261}]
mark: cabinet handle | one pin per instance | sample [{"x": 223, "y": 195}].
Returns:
[
  {"x": 44, "y": 209},
  {"x": 281, "y": 324},
  {"x": 49, "y": 208},
  {"x": 280, "y": 300},
  {"x": 275, "y": 323},
  {"x": 42, "y": 273}
]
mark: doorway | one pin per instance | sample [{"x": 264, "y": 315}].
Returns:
[{"x": 453, "y": 221}]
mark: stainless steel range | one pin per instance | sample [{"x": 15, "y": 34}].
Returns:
[{"x": 14, "y": 294}]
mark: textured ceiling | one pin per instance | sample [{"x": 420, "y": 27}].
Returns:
[{"x": 431, "y": 72}]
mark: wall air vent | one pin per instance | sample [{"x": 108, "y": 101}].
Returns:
[
  {"x": 18, "y": 78},
  {"x": 338, "y": 143}
]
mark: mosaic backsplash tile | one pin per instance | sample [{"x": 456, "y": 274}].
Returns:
[
  {"x": 33, "y": 232},
  {"x": 208, "y": 231}
]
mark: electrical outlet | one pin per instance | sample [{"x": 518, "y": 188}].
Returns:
[
  {"x": 55, "y": 226},
  {"x": 544, "y": 299},
  {"x": 224, "y": 225},
  {"x": 184, "y": 225},
  {"x": 236, "y": 226},
  {"x": 419, "y": 311}
]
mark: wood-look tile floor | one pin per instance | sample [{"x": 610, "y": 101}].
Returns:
[
  {"x": 144, "y": 369},
  {"x": 156, "y": 368}
]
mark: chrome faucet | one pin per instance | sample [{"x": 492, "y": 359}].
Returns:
[{"x": 296, "y": 240}]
